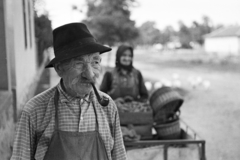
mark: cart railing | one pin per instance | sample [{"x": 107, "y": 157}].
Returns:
[
  {"x": 189, "y": 131},
  {"x": 191, "y": 138}
]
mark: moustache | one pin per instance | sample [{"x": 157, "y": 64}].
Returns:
[{"x": 80, "y": 79}]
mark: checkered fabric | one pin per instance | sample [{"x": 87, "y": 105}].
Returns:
[{"x": 36, "y": 125}]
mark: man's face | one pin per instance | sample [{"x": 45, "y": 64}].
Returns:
[
  {"x": 79, "y": 73},
  {"x": 126, "y": 58}
]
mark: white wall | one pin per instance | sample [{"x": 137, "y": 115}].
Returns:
[
  {"x": 25, "y": 55},
  {"x": 239, "y": 46},
  {"x": 223, "y": 45}
]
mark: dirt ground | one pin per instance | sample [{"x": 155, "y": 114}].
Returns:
[{"x": 212, "y": 110}]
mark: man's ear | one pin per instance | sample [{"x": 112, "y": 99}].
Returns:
[{"x": 58, "y": 68}]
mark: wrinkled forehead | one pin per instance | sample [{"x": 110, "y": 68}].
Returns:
[
  {"x": 93, "y": 56},
  {"x": 86, "y": 58}
]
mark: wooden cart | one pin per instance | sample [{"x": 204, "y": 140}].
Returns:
[{"x": 189, "y": 147}]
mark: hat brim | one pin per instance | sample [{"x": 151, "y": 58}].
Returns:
[{"x": 79, "y": 51}]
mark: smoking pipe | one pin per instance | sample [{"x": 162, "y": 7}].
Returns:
[{"x": 102, "y": 100}]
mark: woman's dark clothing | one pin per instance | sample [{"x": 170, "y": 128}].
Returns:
[{"x": 117, "y": 84}]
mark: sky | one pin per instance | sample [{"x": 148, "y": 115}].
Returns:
[{"x": 163, "y": 12}]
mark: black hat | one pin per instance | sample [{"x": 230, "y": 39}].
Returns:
[{"x": 73, "y": 40}]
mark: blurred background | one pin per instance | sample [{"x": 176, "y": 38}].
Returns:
[{"x": 191, "y": 44}]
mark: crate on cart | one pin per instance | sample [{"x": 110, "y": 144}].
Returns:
[
  {"x": 142, "y": 122},
  {"x": 136, "y": 118}
]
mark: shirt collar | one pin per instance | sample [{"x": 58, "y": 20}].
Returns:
[{"x": 65, "y": 97}]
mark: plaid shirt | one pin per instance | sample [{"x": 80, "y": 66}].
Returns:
[{"x": 36, "y": 125}]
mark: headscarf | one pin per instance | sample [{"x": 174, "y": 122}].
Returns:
[{"x": 120, "y": 51}]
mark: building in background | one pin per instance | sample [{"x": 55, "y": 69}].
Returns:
[
  {"x": 19, "y": 67},
  {"x": 223, "y": 42}
]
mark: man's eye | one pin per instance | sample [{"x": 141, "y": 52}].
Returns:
[
  {"x": 78, "y": 64},
  {"x": 96, "y": 62}
]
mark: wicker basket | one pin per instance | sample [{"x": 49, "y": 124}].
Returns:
[
  {"x": 169, "y": 130},
  {"x": 166, "y": 114},
  {"x": 165, "y": 102}
]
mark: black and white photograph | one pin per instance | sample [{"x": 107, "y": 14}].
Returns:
[{"x": 120, "y": 80}]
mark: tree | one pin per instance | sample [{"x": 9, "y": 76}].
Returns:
[
  {"x": 200, "y": 29},
  {"x": 109, "y": 21},
  {"x": 43, "y": 32},
  {"x": 149, "y": 34},
  {"x": 207, "y": 27},
  {"x": 196, "y": 33},
  {"x": 167, "y": 35},
  {"x": 184, "y": 35}
]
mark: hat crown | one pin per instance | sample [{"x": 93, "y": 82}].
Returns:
[
  {"x": 70, "y": 33},
  {"x": 73, "y": 40}
]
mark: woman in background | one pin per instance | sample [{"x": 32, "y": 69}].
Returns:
[{"x": 124, "y": 81}]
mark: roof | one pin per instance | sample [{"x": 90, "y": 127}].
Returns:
[{"x": 231, "y": 31}]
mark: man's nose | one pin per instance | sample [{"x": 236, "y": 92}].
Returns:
[{"x": 87, "y": 71}]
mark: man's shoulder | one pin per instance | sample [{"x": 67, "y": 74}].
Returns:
[
  {"x": 103, "y": 94},
  {"x": 40, "y": 101}
]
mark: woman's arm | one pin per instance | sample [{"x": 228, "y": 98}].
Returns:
[{"x": 142, "y": 88}]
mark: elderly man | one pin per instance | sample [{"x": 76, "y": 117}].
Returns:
[{"x": 72, "y": 120}]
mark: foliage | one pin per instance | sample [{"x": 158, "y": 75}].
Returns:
[
  {"x": 195, "y": 32},
  {"x": 184, "y": 35},
  {"x": 167, "y": 35},
  {"x": 109, "y": 21},
  {"x": 149, "y": 34},
  {"x": 43, "y": 30},
  {"x": 43, "y": 34},
  {"x": 198, "y": 30}
]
